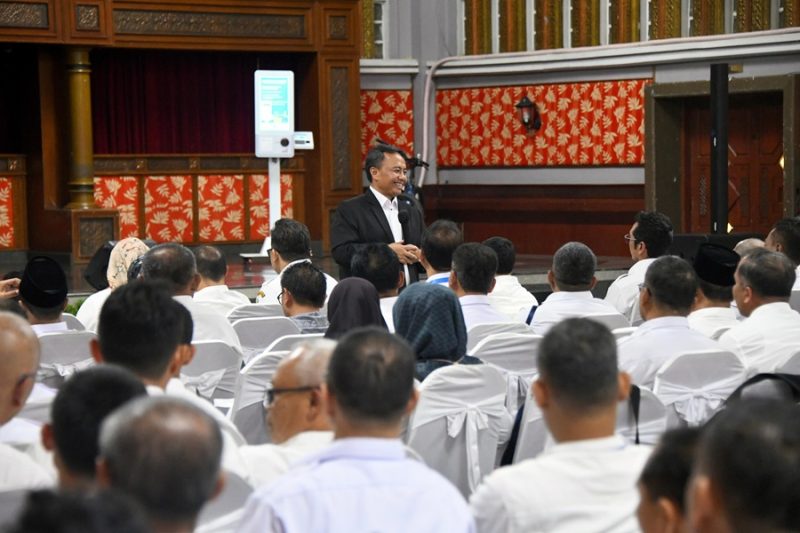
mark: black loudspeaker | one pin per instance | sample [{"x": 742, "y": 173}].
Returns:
[{"x": 95, "y": 273}]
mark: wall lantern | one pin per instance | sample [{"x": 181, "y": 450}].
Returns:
[{"x": 528, "y": 113}]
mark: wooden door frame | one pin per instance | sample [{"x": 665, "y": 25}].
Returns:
[{"x": 663, "y": 172}]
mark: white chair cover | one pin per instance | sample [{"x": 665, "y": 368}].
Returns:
[
  {"x": 652, "y": 419},
  {"x": 223, "y": 513},
  {"x": 611, "y": 320},
  {"x": 256, "y": 334},
  {"x": 621, "y": 333},
  {"x": 288, "y": 342},
  {"x": 695, "y": 384},
  {"x": 213, "y": 371},
  {"x": 11, "y": 503},
  {"x": 247, "y": 412},
  {"x": 533, "y": 434},
  {"x": 466, "y": 401},
  {"x": 37, "y": 406},
  {"x": 254, "y": 311},
  {"x": 478, "y": 332},
  {"x": 514, "y": 354},
  {"x": 794, "y": 300},
  {"x": 791, "y": 366},
  {"x": 72, "y": 322},
  {"x": 62, "y": 354}
]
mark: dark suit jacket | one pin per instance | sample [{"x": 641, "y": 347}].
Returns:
[{"x": 361, "y": 220}]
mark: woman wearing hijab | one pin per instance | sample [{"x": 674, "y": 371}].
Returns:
[
  {"x": 122, "y": 255},
  {"x": 353, "y": 303},
  {"x": 429, "y": 317}
]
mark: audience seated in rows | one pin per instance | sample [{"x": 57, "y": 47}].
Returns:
[
  {"x": 291, "y": 243},
  {"x": 363, "y": 481},
  {"x": 586, "y": 481},
  {"x": 174, "y": 265},
  {"x": 508, "y": 296},
  {"x": 649, "y": 238},
  {"x": 771, "y": 332},
  {"x": 212, "y": 292},
  {"x": 378, "y": 264},
  {"x": 164, "y": 453},
  {"x": 303, "y": 295},
  {"x": 784, "y": 237},
  {"x": 295, "y": 413},
  {"x": 354, "y": 303},
  {"x": 472, "y": 279},
  {"x": 665, "y": 298},
  {"x": 714, "y": 266},
  {"x": 43, "y": 295},
  {"x": 122, "y": 256},
  {"x": 439, "y": 241},
  {"x": 571, "y": 279}
]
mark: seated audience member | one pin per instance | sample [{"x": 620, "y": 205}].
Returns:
[
  {"x": 472, "y": 279},
  {"x": 378, "y": 264},
  {"x": 662, "y": 484},
  {"x": 429, "y": 318},
  {"x": 771, "y": 332},
  {"x": 80, "y": 407},
  {"x": 439, "y": 241},
  {"x": 363, "y": 481},
  {"x": 19, "y": 359},
  {"x": 164, "y": 453},
  {"x": 97, "y": 511},
  {"x": 291, "y": 244},
  {"x": 649, "y": 238},
  {"x": 9, "y": 286},
  {"x": 666, "y": 296},
  {"x": 784, "y": 237},
  {"x": 174, "y": 264},
  {"x": 354, "y": 303},
  {"x": 123, "y": 254},
  {"x": 303, "y": 295},
  {"x": 587, "y": 480},
  {"x": 745, "y": 246},
  {"x": 572, "y": 279},
  {"x": 508, "y": 297},
  {"x": 747, "y": 470},
  {"x": 296, "y": 414},
  {"x": 43, "y": 295},
  {"x": 212, "y": 291},
  {"x": 714, "y": 266}
]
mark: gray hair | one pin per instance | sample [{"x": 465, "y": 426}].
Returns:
[
  {"x": 312, "y": 361},
  {"x": 574, "y": 265}
]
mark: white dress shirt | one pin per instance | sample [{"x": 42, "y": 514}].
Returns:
[
  {"x": 18, "y": 471},
  {"x": 477, "y": 310},
  {"x": 510, "y": 298},
  {"x": 654, "y": 343},
  {"x": 55, "y": 327},
  {"x": 765, "y": 339},
  {"x": 268, "y": 294},
  {"x": 563, "y": 304},
  {"x": 796, "y": 286},
  {"x": 266, "y": 462},
  {"x": 710, "y": 319},
  {"x": 392, "y": 213},
  {"x": 585, "y": 486},
  {"x": 89, "y": 312},
  {"x": 220, "y": 299},
  {"x": 358, "y": 484},
  {"x": 624, "y": 292},
  {"x": 387, "y": 305},
  {"x": 440, "y": 278},
  {"x": 208, "y": 325}
]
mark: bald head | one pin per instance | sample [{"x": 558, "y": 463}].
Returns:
[{"x": 19, "y": 360}]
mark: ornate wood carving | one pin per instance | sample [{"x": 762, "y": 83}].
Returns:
[
  {"x": 94, "y": 232},
  {"x": 340, "y": 126},
  {"x": 512, "y": 25},
  {"x": 548, "y": 24},
  {"x": 585, "y": 22},
  {"x": 790, "y": 13},
  {"x": 752, "y": 15},
  {"x": 147, "y": 22},
  {"x": 665, "y": 19},
  {"x": 708, "y": 18},
  {"x": 478, "y": 27},
  {"x": 12, "y": 164},
  {"x": 19, "y": 15},
  {"x": 337, "y": 28},
  {"x": 367, "y": 28},
  {"x": 624, "y": 19},
  {"x": 87, "y": 17}
]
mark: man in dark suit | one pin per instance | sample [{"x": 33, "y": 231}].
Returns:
[{"x": 381, "y": 214}]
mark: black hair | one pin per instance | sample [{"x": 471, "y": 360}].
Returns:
[
  {"x": 306, "y": 283},
  {"x": 667, "y": 471},
  {"x": 574, "y": 265},
  {"x": 187, "y": 325},
  {"x": 375, "y": 157},
  {"x": 378, "y": 264},
  {"x": 787, "y": 232},
  {"x": 439, "y": 241},
  {"x": 714, "y": 292},
  {"x": 506, "y": 254},
  {"x": 211, "y": 263},
  {"x": 171, "y": 263},
  {"x": 475, "y": 266},
  {"x": 769, "y": 274},
  {"x": 291, "y": 239},
  {"x": 672, "y": 282},
  {"x": 655, "y": 231}
]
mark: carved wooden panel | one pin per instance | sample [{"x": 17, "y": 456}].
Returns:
[
  {"x": 341, "y": 27},
  {"x": 477, "y": 27},
  {"x": 340, "y": 103},
  {"x": 624, "y": 18},
  {"x": 752, "y": 15},
  {"x": 24, "y": 15},
  {"x": 367, "y": 28},
  {"x": 585, "y": 23},
  {"x": 708, "y": 18},
  {"x": 154, "y": 22},
  {"x": 548, "y": 24},
  {"x": 512, "y": 25},
  {"x": 88, "y": 20},
  {"x": 665, "y": 19},
  {"x": 789, "y": 14},
  {"x": 91, "y": 229}
]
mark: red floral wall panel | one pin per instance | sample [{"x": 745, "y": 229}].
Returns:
[
  {"x": 387, "y": 115},
  {"x": 168, "y": 208},
  {"x": 6, "y": 213},
  {"x": 259, "y": 203},
  {"x": 583, "y": 124},
  {"x": 121, "y": 193},
  {"x": 220, "y": 213}
]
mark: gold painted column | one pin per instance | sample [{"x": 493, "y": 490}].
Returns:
[{"x": 81, "y": 152}]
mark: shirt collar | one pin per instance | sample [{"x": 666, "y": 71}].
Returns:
[
  {"x": 570, "y": 295},
  {"x": 612, "y": 443},
  {"x": 384, "y": 201},
  {"x": 474, "y": 299},
  {"x": 663, "y": 322},
  {"x": 361, "y": 448},
  {"x": 774, "y": 308}
]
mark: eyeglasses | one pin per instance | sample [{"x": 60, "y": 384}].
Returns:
[
  {"x": 642, "y": 286},
  {"x": 629, "y": 237},
  {"x": 269, "y": 399},
  {"x": 280, "y": 297}
]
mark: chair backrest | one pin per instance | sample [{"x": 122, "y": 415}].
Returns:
[
  {"x": 790, "y": 366},
  {"x": 256, "y": 334},
  {"x": 459, "y": 422},
  {"x": 720, "y": 331},
  {"x": 247, "y": 411},
  {"x": 636, "y": 315},
  {"x": 694, "y": 385},
  {"x": 652, "y": 418},
  {"x": 62, "y": 354},
  {"x": 213, "y": 371},
  {"x": 223, "y": 513},
  {"x": 478, "y": 332},
  {"x": 287, "y": 342},
  {"x": 11, "y": 503},
  {"x": 621, "y": 333},
  {"x": 533, "y": 433},
  {"x": 254, "y": 311},
  {"x": 72, "y": 322},
  {"x": 514, "y": 354},
  {"x": 611, "y": 320},
  {"x": 794, "y": 300}
]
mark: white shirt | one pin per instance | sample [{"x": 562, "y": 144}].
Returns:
[
  {"x": 440, "y": 278},
  {"x": 624, "y": 292},
  {"x": 266, "y": 462},
  {"x": 220, "y": 299},
  {"x": 710, "y": 319},
  {"x": 562, "y": 305},
  {"x": 268, "y": 294},
  {"x": 580, "y": 486},
  {"x": 654, "y": 343},
  {"x": 18, "y": 471},
  {"x": 55, "y": 327},
  {"x": 387, "y": 305},
  {"x": 359, "y": 485},
  {"x": 208, "y": 325},
  {"x": 510, "y": 298},
  {"x": 765, "y": 339},
  {"x": 477, "y": 310},
  {"x": 89, "y": 312},
  {"x": 796, "y": 286}
]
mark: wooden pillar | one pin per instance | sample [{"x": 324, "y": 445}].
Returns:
[{"x": 81, "y": 153}]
